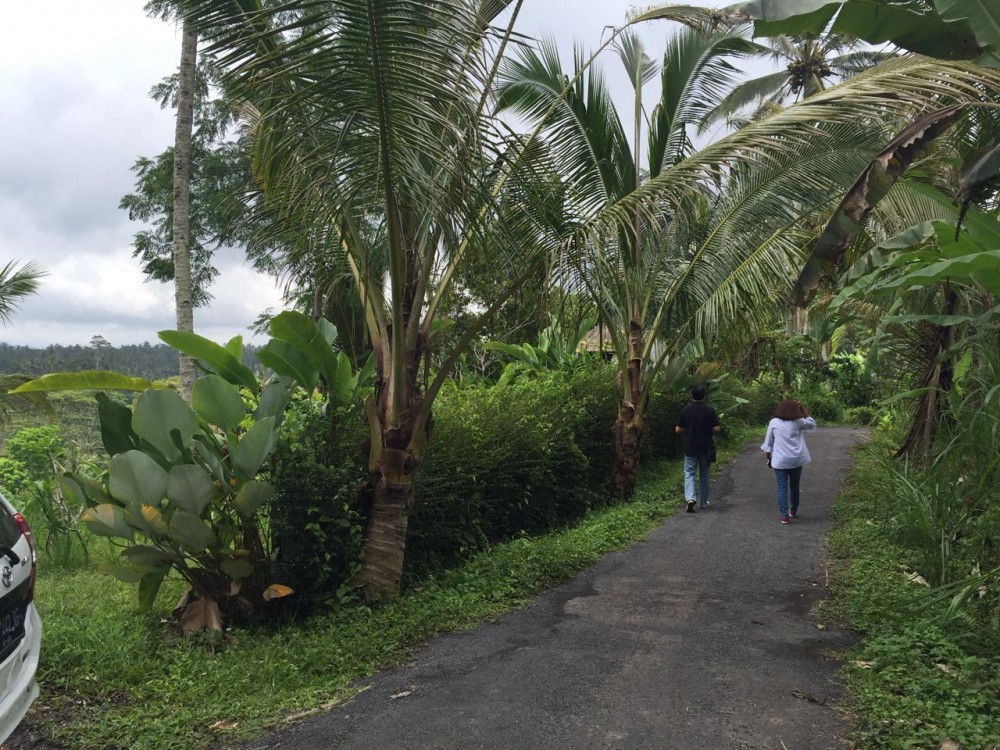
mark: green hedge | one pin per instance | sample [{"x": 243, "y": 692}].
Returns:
[{"x": 505, "y": 460}]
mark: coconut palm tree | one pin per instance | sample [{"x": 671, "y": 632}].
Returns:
[
  {"x": 807, "y": 64},
  {"x": 16, "y": 283},
  {"x": 380, "y": 112}
]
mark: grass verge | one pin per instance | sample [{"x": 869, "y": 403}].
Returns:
[
  {"x": 917, "y": 679},
  {"x": 110, "y": 680}
]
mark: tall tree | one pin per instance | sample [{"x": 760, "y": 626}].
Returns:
[
  {"x": 183, "y": 290},
  {"x": 181, "y": 202}
]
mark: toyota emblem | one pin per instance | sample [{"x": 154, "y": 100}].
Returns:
[{"x": 7, "y": 576}]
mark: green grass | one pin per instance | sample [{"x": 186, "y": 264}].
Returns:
[
  {"x": 110, "y": 679},
  {"x": 916, "y": 679}
]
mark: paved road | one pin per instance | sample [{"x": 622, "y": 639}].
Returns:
[{"x": 699, "y": 637}]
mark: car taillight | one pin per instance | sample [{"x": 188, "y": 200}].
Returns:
[{"x": 23, "y": 527}]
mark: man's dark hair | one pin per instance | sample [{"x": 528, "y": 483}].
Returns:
[{"x": 698, "y": 392}]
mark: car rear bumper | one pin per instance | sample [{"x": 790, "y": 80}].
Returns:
[{"x": 18, "y": 674}]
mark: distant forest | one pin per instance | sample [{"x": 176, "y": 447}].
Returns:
[{"x": 140, "y": 360}]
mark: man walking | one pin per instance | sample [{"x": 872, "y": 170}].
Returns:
[{"x": 697, "y": 422}]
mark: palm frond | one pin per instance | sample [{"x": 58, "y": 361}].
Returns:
[{"x": 16, "y": 284}]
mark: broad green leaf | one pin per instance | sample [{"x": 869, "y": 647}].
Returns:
[
  {"x": 237, "y": 568},
  {"x": 983, "y": 17},
  {"x": 273, "y": 400},
  {"x": 190, "y": 531},
  {"x": 212, "y": 356},
  {"x": 147, "y": 519},
  {"x": 218, "y": 402},
  {"x": 251, "y": 496},
  {"x": 126, "y": 575},
  {"x": 107, "y": 520},
  {"x": 290, "y": 361},
  {"x": 190, "y": 487},
  {"x": 143, "y": 555},
  {"x": 973, "y": 266},
  {"x": 85, "y": 380},
  {"x": 344, "y": 382},
  {"x": 235, "y": 347},
  {"x": 116, "y": 426},
  {"x": 207, "y": 454},
  {"x": 902, "y": 23},
  {"x": 94, "y": 490},
  {"x": 253, "y": 448},
  {"x": 149, "y": 587},
  {"x": 303, "y": 334},
  {"x": 327, "y": 330},
  {"x": 157, "y": 413},
  {"x": 509, "y": 349},
  {"x": 136, "y": 478},
  {"x": 72, "y": 491},
  {"x": 915, "y": 236}
]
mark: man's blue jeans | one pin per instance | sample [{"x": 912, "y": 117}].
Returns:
[
  {"x": 704, "y": 476},
  {"x": 788, "y": 489}
]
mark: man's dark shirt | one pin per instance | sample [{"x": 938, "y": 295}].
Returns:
[{"x": 697, "y": 419}]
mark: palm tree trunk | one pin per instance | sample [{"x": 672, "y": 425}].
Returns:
[
  {"x": 630, "y": 424},
  {"x": 182, "y": 198}
]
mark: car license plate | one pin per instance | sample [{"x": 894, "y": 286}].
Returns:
[{"x": 11, "y": 629}]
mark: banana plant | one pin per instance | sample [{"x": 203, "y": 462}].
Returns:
[
  {"x": 182, "y": 491},
  {"x": 556, "y": 349},
  {"x": 182, "y": 494}
]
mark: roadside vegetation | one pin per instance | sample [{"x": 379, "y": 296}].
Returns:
[
  {"x": 492, "y": 328},
  {"x": 918, "y": 574}
]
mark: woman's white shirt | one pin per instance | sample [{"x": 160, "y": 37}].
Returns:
[{"x": 786, "y": 443}]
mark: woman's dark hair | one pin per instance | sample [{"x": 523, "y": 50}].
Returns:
[{"x": 790, "y": 408}]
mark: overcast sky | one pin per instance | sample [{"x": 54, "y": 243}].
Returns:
[{"x": 75, "y": 115}]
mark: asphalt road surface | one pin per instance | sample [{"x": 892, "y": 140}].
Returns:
[{"x": 700, "y": 637}]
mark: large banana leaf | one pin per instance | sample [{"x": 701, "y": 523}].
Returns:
[
  {"x": 253, "y": 447},
  {"x": 303, "y": 334},
  {"x": 289, "y": 361},
  {"x": 955, "y": 31},
  {"x": 214, "y": 358},
  {"x": 85, "y": 380}
]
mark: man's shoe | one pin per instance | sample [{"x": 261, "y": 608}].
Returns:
[
  {"x": 784, "y": 519},
  {"x": 704, "y": 504},
  {"x": 793, "y": 514},
  {"x": 690, "y": 506}
]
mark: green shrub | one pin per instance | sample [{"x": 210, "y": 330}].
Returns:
[
  {"x": 34, "y": 448},
  {"x": 926, "y": 671},
  {"x": 14, "y": 480},
  {"x": 316, "y": 522},
  {"x": 518, "y": 458}
]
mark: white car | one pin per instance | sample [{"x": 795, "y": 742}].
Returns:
[{"x": 20, "y": 627}]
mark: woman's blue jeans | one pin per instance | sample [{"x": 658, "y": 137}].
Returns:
[
  {"x": 704, "y": 468},
  {"x": 788, "y": 489}
]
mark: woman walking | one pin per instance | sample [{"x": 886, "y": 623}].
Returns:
[{"x": 786, "y": 451}]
